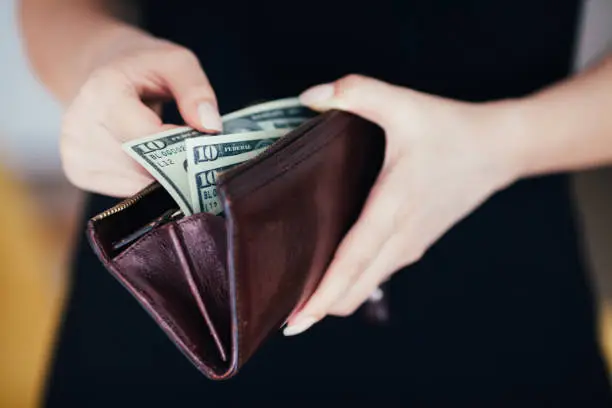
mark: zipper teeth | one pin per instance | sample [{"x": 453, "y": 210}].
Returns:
[{"x": 128, "y": 202}]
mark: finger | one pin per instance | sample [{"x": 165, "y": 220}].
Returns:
[
  {"x": 109, "y": 171},
  {"x": 370, "y": 98},
  {"x": 343, "y": 271},
  {"x": 130, "y": 119},
  {"x": 117, "y": 184},
  {"x": 114, "y": 179},
  {"x": 385, "y": 264},
  {"x": 356, "y": 252},
  {"x": 194, "y": 95},
  {"x": 109, "y": 101}
]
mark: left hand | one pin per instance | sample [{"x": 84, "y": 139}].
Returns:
[{"x": 443, "y": 159}]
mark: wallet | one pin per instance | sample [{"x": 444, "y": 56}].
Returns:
[{"x": 220, "y": 285}]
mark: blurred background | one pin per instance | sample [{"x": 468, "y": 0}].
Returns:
[{"x": 39, "y": 210}]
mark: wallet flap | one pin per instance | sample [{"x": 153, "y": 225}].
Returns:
[{"x": 287, "y": 210}]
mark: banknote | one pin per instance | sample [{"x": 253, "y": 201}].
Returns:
[
  {"x": 209, "y": 152},
  {"x": 163, "y": 155},
  {"x": 285, "y": 113},
  {"x": 210, "y": 148},
  {"x": 204, "y": 180}
]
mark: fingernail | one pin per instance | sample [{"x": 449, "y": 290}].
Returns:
[
  {"x": 299, "y": 327},
  {"x": 209, "y": 117},
  {"x": 317, "y": 94}
]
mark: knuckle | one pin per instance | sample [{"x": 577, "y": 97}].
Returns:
[
  {"x": 74, "y": 164},
  {"x": 67, "y": 142},
  {"x": 414, "y": 254},
  {"x": 349, "y": 82},
  {"x": 71, "y": 118},
  {"x": 75, "y": 176},
  {"x": 102, "y": 82},
  {"x": 405, "y": 247},
  {"x": 73, "y": 125},
  {"x": 70, "y": 165},
  {"x": 351, "y": 259},
  {"x": 182, "y": 55},
  {"x": 346, "y": 270},
  {"x": 105, "y": 75},
  {"x": 318, "y": 316},
  {"x": 198, "y": 94},
  {"x": 344, "y": 310}
]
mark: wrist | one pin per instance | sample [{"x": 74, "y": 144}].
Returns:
[{"x": 510, "y": 143}]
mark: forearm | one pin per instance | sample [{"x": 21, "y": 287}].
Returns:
[
  {"x": 66, "y": 39},
  {"x": 565, "y": 127}
]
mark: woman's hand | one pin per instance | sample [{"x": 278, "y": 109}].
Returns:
[
  {"x": 120, "y": 101},
  {"x": 443, "y": 159}
]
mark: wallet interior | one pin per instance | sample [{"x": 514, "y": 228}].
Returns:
[
  {"x": 127, "y": 222},
  {"x": 194, "y": 307},
  {"x": 218, "y": 285},
  {"x": 128, "y": 236}
]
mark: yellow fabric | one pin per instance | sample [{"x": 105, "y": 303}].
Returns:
[
  {"x": 30, "y": 296},
  {"x": 606, "y": 331}
]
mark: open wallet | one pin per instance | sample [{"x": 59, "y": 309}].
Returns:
[{"x": 220, "y": 285}]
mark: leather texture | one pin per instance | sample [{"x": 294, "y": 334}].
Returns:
[{"x": 220, "y": 285}]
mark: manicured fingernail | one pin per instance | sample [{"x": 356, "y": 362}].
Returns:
[
  {"x": 317, "y": 94},
  {"x": 299, "y": 327},
  {"x": 209, "y": 117}
]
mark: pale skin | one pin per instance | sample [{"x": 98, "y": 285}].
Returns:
[{"x": 444, "y": 158}]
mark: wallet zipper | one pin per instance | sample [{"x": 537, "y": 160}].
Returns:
[{"x": 128, "y": 202}]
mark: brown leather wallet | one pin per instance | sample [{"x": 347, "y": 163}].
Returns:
[{"x": 219, "y": 285}]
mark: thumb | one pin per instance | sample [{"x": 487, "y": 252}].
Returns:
[
  {"x": 194, "y": 95},
  {"x": 367, "y": 97}
]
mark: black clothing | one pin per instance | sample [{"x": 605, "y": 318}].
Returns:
[{"x": 499, "y": 310}]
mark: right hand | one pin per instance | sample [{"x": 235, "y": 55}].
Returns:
[{"x": 120, "y": 101}]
